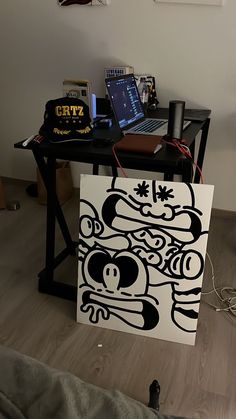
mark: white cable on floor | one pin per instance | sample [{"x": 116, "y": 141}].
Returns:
[{"x": 226, "y": 295}]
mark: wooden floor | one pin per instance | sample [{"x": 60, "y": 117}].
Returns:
[{"x": 199, "y": 381}]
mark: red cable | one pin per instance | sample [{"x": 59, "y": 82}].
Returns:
[
  {"x": 186, "y": 154},
  {"x": 175, "y": 144},
  {"x": 118, "y": 162}
]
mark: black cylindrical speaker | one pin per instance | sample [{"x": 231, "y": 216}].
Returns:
[{"x": 176, "y": 119}]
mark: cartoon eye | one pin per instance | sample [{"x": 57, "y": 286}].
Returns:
[
  {"x": 192, "y": 264},
  {"x": 188, "y": 264},
  {"x": 160, "y": 242},
  {"x": 98, "y": 227},
  {"x": 99, "y": 264},
  {"x": 175, "y": 264},
  {"x": 157, "y": 242},
  {"x": 140, "y": 234},
  {"x": 128, "y": 271},
  {"x": 86, "y": 226}
]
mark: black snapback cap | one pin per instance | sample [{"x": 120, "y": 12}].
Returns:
[{"x": 66, "y": 119}]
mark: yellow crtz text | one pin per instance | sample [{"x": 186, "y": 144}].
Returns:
[{"x": 72, "y": 110}]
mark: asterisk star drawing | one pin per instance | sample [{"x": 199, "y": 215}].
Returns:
[
  {"x": 142, "y": 189},
  {"x": 164, "y": 194}
]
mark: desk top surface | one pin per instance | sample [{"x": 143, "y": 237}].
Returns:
[{"x": 100, "y": 152}]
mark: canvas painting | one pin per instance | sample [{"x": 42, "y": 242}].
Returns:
[{"x": 142, "y": 247}]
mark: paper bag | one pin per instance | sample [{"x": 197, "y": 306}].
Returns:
[{"x": 64, "y": 184}]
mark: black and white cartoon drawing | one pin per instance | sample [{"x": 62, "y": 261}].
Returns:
[{"x": 142, "y": 247}]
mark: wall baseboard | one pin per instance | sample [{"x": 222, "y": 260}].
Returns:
[
  {"x": 222, "y": 213},
  {"x": 216, "y": 212}
]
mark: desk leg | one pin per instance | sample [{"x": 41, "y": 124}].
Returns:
[
  {"x": 114, "y": 171},
  {"x": 46, "y": 276},
  {"x": 49, "y": 177},
  {"x": 51, "y": 218},
  {"x": 187, "y": 172},
  {"x": 192, "y": 149},
  {"x": 202, "y": 149},
  {"x": 95, "y": 169},
  {"x": 168, "y": 176}
]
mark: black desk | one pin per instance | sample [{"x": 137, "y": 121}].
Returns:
[{"x": 168, "y": 161}]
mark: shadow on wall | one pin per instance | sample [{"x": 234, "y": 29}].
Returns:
[
  {"x": 35, "y": 86},
  {"x": 100, "y": 64}
]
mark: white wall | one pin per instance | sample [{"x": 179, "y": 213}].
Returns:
[{"x": 189, "y": 48}]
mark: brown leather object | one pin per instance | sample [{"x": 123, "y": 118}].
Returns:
[{"x": 141, "y": 144}]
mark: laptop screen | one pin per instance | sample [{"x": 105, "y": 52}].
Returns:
[{"x": 125, "y": 99}]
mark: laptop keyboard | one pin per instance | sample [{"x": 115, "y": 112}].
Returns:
[{"x": 149, "y": 125}]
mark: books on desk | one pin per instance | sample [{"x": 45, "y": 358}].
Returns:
[{"x": 141, "y": 144}]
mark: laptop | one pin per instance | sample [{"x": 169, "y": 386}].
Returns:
[{"x": 128, "y": 108}]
